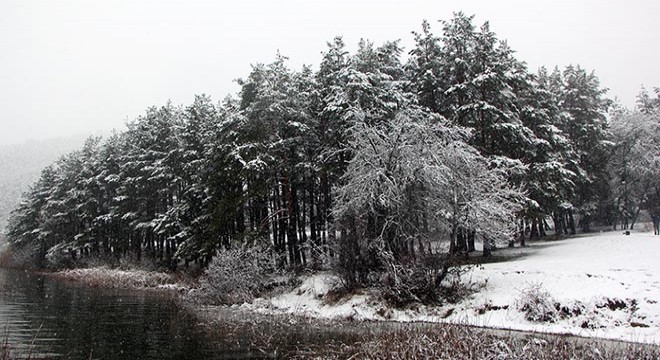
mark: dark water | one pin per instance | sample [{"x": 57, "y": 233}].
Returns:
[{"x": 45, "y": 318}]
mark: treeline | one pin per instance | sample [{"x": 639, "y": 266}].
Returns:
[
  {"x": 21, "y": 164},
  {"x": 634, "y": 164},
  {"x": 276, "y": 163}
]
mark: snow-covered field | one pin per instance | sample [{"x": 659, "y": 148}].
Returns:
[{"x": 608, "y": 285}]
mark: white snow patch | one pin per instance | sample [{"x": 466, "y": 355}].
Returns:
[
  {"x": 589, "y": 269},
  {"x": 585, "y": 269},
  {"x": 308, "y": 300}
]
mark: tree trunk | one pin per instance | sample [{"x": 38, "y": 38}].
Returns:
[
  {"x": 461, "y": 240},
  {"x": 544, "y": 227},
  {"x": 470, "y": 240},
  {"x": 488, "y": 247},
  {"x": 634, "y": 218},
  {"x": 452, "y": 240},
  {"x": 534, "y": 232},
  {"x": 571, "y": 222},
  {"x": 557, "y": 219},
  {"x": 329, "y": 221},
  {"x": 313, "y": 238}
]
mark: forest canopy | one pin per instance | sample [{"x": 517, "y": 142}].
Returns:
[{"x": 368, "y": 163}]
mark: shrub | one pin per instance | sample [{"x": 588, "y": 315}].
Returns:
[
  {"x": 23, "y": 257},
  {"x": 238, "y": 275},
  {"x": 537, "y": 304},
  {"x": 408, "y": 284},
  {"x": 417, "y": 282},
  {"x": 61, "y": 256}
]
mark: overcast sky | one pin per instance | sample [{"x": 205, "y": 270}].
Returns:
[{"x": 71, "y": 67}]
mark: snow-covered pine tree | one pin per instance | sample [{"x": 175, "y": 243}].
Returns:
[
  {"x": 478, "y": 85},
  {"x": 108, "y": 224},
  {"x": 424, "y": 69},
  {"x": 330, "y": 108},
  {"x": 193, "y": 204},
  {"x": 24, "y": 229},
  {"x": 550, "y": 182},
  {"x": 584, "y": 102},
  {"x": 648, "y": 104},
  {"x": 272, "y": 150},
  {"x": 148, "y": 185}
]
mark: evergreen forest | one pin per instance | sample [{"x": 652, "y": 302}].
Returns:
[{"x": 383, "y": 160}]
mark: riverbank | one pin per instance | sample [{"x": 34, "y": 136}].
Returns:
[
  {"x": 605, "y": 285},
  {"x": 295, "y": 337},
  {"x": 123, "y": 279},
  {"x": 594, "y": 287},
  {"x": 463, "y": 342}
]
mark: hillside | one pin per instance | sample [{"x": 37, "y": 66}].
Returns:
[{"x": 20, "y": 166}]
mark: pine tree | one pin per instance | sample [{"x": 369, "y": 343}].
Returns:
[
  {"x": 424, "y": 69},
  {"x": 471, "y": 78},
  {"x": 551, "y": 183},
  {"x": 24, "y": 230},
  {"x": 193, "y": 197},
  {"x": 584, "y": 102},
  {"x": 148, "y": 185}
]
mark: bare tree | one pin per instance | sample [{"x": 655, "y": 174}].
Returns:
[{"x": 410, "y": 177}]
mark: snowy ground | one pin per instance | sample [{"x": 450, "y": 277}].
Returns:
[{"x": 608, "y": 285}]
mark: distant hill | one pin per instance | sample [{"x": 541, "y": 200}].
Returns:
[{"x": 21, "y": 165}]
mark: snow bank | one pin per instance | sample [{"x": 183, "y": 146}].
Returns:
[
  {"x": 605, "y": 285},
  {"x": 310, "y": 299},
  {"x": 616, "y": 278}
]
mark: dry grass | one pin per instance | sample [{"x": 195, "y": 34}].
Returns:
[
  {"x": 112, "y": 278},
  {"x": 460, "y": 342},
  {"x": 292, "y": 337}
]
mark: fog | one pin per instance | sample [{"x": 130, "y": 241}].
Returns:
[{"x": 77, "y": 67}]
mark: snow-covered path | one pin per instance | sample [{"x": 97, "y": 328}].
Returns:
[{"x": 608, "y": 282}]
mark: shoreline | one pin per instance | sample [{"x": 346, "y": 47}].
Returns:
[
  {"x": 313, "y": 303},
  {"x": 141, "y": 280},
  {"x": 612, "y": 297},
  {"x": 298, "y": 335},
  {"x": 105, "y": 277}
]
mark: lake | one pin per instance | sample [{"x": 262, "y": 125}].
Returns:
[
  {"x": 42, "y": 317},
  {"x": 45, "y": 318}
]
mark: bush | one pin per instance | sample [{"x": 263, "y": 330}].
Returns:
[
  {"x": 401, "y": 282},
  {"x": 61, "y": 256},
  {"x": 409, "y": 284},
  {"x": 238, "y": 275},
  {"x": 358, "y": 265},
  {"x": 23, "y": 257},
  {"x": 417, "y": 282},
  {"x": 537, "y": 304}
]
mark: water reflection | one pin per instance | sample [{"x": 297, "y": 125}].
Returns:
[{"x": 47, "y": 318}]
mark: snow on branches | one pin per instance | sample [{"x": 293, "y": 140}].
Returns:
[{"x": 414, "y": 176}]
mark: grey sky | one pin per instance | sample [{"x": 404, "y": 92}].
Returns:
[{"x": 83, "y": 66}]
